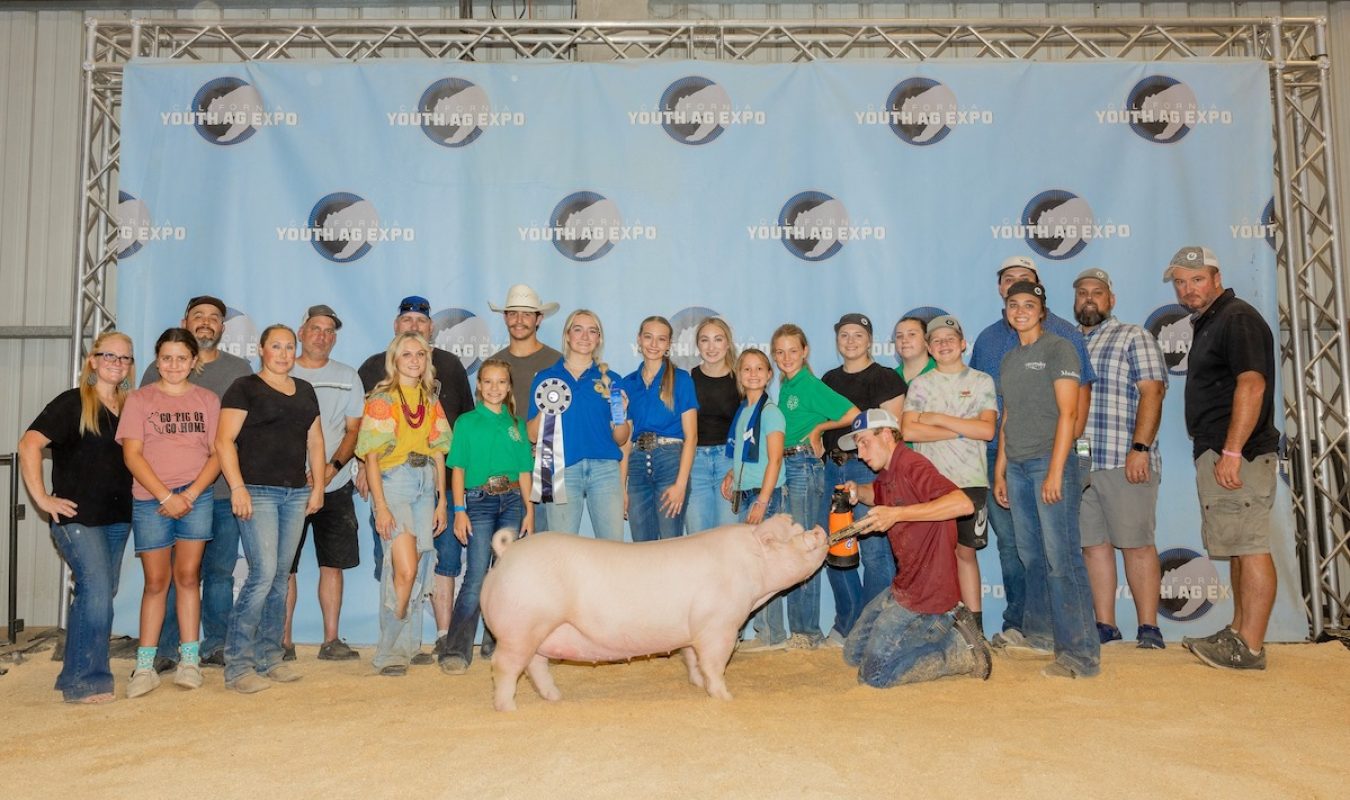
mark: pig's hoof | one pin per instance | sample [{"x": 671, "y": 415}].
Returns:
[
  {"x": 719, "y": 693},
  {"x": 551, "y": 694},
  {"x": 509, "y": 704},
  {"x": 696, "y": 679}
]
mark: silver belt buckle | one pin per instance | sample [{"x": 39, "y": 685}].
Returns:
[
  {"x": 646, "y": 441},
  {"x": 418, "y": 459},
  {"x": 498, "y": 484}
]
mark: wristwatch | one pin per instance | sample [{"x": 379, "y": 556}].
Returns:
[{"x": 1139, "y": 447}]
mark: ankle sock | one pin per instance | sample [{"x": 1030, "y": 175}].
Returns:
[
  {"x": 145, "y": 657},
  {"x": 441, "y": 634},
  {"x": 189, "y": 653}
]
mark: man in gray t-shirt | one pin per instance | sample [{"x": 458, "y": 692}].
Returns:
[
  {"x": 216, "y": 370},
  {"x": 527, "y": 355}
]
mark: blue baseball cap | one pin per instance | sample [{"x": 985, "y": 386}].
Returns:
[{"x": 414, "y": 304}]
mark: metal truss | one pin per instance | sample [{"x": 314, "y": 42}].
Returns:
[{"x": 1315, "y": 353}]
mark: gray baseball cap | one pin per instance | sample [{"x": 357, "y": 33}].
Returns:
[
  {"x": 1191, "y": 257},
  {"x": 1093, "y": 274}
]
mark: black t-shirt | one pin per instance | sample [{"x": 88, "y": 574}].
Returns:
[
  {"x": 87, "y": 468},
  {"x": 868, "y": 388},
  {"x": 717, "y": 404},
  {"x": 1230, "y": 338},
  {"x": 272, "y": 441},
  {"x": 454, "y": 393}
]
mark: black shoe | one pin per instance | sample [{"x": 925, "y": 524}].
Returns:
[
  {"x": 487, "y": 648},
  {"x": 336, "y": 650},
  {"x": 216, "y": 659},
  {"x": 394, "y": 670},
  {"x": 165, "y": 664},
  {"x": 979, "y": 647},
  {"x": 288, "y": 652},
  {"x": 422, "y": 659}
]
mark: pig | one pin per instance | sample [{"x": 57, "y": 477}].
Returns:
[{"x": 556, "y": 595}]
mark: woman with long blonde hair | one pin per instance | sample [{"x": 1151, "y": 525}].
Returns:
[
  {"x": 715, "y": 387},
  {"x": 594, "y": 438},
  {"x": 89, "y": 506},
  {"x": 403, "y": 440}
]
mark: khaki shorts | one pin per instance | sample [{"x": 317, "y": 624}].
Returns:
[
  {"x": 1236, "y": 522},
  {"x": 1117, "y": 511}
]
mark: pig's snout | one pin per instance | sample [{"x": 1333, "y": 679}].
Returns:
[{"x": 815, "y": 539}]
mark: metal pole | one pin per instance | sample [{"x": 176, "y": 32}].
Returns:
[
  {"x": 16, "y": 513},
  {"x": 1292, "y": 257},
  {"x": 1332, "y": 189}
]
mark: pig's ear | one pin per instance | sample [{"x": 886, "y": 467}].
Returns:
[{"x": 777, "y": 527}]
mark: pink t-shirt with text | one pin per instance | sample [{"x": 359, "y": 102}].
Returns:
[{"x": 176, "y": 433}]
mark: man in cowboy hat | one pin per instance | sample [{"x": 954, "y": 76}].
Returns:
[{"x": 526, "y": 354}]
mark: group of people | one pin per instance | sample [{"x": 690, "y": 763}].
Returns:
[{"x": 1056, "y": 422}]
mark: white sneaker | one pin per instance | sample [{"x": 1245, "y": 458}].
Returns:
[
  {"x": 143, "y": 681},
  {"x": 188, "y": 676}
]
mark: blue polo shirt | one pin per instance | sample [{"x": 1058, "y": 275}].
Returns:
[
  {"x": 648, "y": 411},
  {"x": 999, "y": 339},
  {"x": 586, "y": 429}
]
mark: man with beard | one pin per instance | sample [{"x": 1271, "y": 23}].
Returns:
[
  {"x": 1120, "y": 502},
  {"x": 523, "y": 313},
  {"x": 1230, "y": 415},
  {"x": 216, "y": 370}
]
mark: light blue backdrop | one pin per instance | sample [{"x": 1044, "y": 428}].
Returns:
[{"x": 764, "y": 194}]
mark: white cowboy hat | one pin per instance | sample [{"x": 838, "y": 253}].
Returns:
[{"x": 522, "y": 298}]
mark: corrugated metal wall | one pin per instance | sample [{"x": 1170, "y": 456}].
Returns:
[{"x": 40, "y": 55}]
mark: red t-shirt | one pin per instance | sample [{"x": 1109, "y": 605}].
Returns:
[{"x": 926, "y": 551}]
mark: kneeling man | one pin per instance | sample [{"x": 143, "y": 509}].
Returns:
[{"x": 917, "y": 631}]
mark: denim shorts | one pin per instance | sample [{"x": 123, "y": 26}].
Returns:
[{"x": 153, "y": 531}]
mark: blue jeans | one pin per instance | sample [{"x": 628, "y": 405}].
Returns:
[
  {"x": 410, "y": 493},
  {"x": 768, "y": 620},
  {"x": 94, "y": 554},
  {"x": 488, "y": 513},
  {"x": 705, "y": 507},
  {"x": 1058, "y": 597},
  {"x": 449, "y": 552},
  {"x": 651, "y": 472},
  {"x": 218, "y": 561},
  {"x": 892, "y": 645},
  {"x": 849, "y": 588},
  {"x": 806, "y": 505},
  {"x": 270, "y": 538},
  {"x": 1000, "y": 521},
  {"x": 594, "y": 483}
]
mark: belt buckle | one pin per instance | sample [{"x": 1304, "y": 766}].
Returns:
[
  {"x": 418, "y": 459},
  {"x": 498, "y": 484},
  {"x": 646, "y": 441},
  {"x": 840, "y": 457}
]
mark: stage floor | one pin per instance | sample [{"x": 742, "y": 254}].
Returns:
[{"x": 1154, "y": 724}]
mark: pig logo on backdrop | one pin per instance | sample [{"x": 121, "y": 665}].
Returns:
[
  {"x": 1059, "y": 224},
  {"x": 240, "y": 337},
  {"x": 337, "y": 226},
  {"x": 586, "y": 225},
  {"x": 450, "y": 111},
  {"x": 811, "y": 222},
  {"x": 1190, "y": 585},
  {"x": 683, "y": 342},
  {"x": 920, "y": 109},
  {"x": 1161, "y": 109},
  {"x": 225, "y": 110},
  {"x": 460, "y": 332},
  {"x": 693, "y": 109},
  {"x": 1171, "y": 326}
]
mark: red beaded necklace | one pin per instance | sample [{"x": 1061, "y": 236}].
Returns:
[{"x": 414, "y": 418}]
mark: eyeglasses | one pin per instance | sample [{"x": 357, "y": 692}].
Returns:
[{"x": 114, "y": 358}]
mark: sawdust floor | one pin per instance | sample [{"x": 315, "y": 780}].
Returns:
[{"x": 1154, "y": 724}]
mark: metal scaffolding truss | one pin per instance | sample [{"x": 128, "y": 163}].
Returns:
[{"x": 1315, "y": 354}]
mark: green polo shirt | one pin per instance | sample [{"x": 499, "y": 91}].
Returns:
[
  {"x": 487, "y": 444},
  {"x": 806, "y": 402}
]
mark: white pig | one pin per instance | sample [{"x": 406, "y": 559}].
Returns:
[{"x": 555, "y": 595}]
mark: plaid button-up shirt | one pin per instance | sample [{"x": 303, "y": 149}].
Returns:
[{"x": 1122, "y": 355}]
